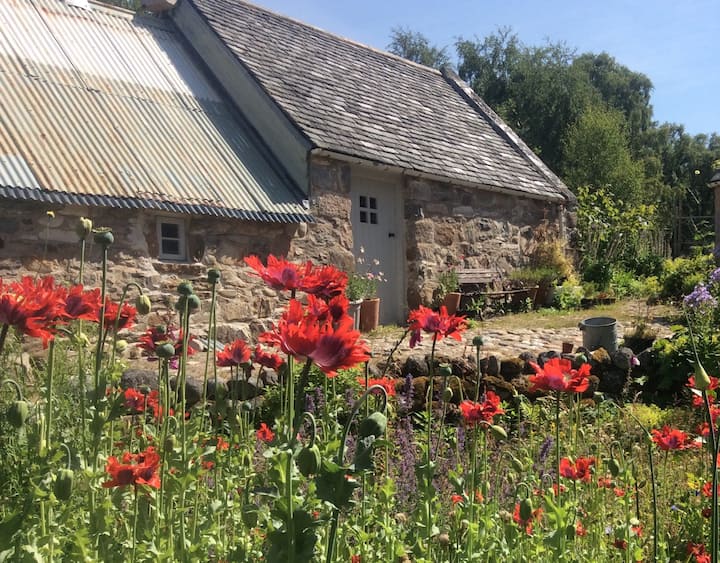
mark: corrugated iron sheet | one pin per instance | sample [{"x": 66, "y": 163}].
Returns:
[{"x": 100, "y": 108}]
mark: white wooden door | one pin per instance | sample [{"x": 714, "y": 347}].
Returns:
[{"x": 378, "y": 232}]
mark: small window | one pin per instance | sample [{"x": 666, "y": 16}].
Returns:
[
  {"x": 368, "y": 209},
  {"x": 171, "y": 238}
]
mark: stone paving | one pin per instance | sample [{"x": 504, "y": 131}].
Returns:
[{"x": 496, "y": 342}]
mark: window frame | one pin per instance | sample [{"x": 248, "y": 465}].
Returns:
[{"x": 182, "y": 238}]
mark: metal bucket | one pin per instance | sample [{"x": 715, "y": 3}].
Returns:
[{"x": 599, "y": 332}]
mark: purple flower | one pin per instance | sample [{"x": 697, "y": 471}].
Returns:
[
  {"x": 700, "y": 297},
  {"x": 715, "y": 276}
]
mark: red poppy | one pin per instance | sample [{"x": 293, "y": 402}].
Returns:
[
  {"x": 135, "y": 400},
  {"x": 128, "y": 315},
  {"x": 339, "y": 347},
  {"x": 325, "y": 282},
  {"x": 697, "y": 550},
  {"x": 279, "y": 273},
  {"x": 386, "y": 383},
  {"x": 135, "y": 469},
  {"x": 707, "y": 489},
  {"x": 439, "y": 324},
  {"x": 272, "y": 361},
  {"x": 620, "y": 543},
  {"x": 580, "y": 530},
  {"x": 474, "y": 413},
  {"x": 31, "y": 306},
  {"x": 295, "y": 333},
  {"x": 81, "y": 304},
  {"x": 355, "y": 559},
  {"x": 671, "y": 439},
  {"x": 527, "y": 524},
  {"x": 264, "y": 434},
  {"x": 579, "y": 471},
  {"x": 557, "y": 374},
  {"x": 234, "y": 354},
  {"x": 457, "y": 499}
]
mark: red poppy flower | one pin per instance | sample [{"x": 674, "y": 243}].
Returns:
[
  {"x": 338, "y": 347},
  {"x": 620, "y": 543},
  {"x": 279, "y": 273},
  {"x": 355, "y": 559},
  {"x": 81, "y": 304},
  {"x": 135, "y": 400},
  {"x": 527, "y": 524},
  {"x": 325, "y": 282},
  {"x": 671, "y": 439},
  {"x": 557, "y": 374},
  {"x": 264, "y": 434},
  {"x": 135, "y": 469},
  {"x": 457, "y": 499},
  {"x": 697, "y": 550},
  {"x": 579, "y": 471},
  {"x": 296, "y": 333},
  {"x": 31, "y": 307},
  {"x": 439, "y": 324},
  {"x": 272, "y": 361},
  {"x": 128, "y": 315},
  {"x": 474, "y": 413},
  {"x": 580, "y": 530},
  {"x": 386, "y": 383},
  {"x": 234, "y": 354}
]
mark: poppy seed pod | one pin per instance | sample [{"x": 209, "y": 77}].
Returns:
[
  {"x": 143, "y": 304},
  {"x": 63, "y": 484},
  {"x": 83, "y": 228},
  {"x": 185, "y": 288},
  {"x": 445, "y": 370},
  {"x": 166, "y": 350},
  {"x": 477, "y": 341},
  {"x": 213, "y": 276},
  {"x": 447, "y": 395},
  {"x": 103, "y": 237},
  {"x": 121, "y": 346}
]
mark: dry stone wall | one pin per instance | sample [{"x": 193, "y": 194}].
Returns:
[{"x": 461, "y": 227}]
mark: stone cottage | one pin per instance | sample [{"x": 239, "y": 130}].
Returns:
[{"x": 217, "y": 129}]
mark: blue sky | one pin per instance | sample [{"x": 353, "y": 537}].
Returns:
[{"x": 675, "y": 43}]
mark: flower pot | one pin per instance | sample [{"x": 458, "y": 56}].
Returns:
[
  {"x": 354, "y": 312},
  {"x": 452, "y": 302},
  {"x": 369, "y": 314}
]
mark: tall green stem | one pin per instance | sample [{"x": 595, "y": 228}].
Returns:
[{"x": 49, "y": 398}]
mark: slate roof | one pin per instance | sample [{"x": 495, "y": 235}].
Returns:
[
  {"x": 359, "y": 101},
  {"x": 99, "y": 107}
]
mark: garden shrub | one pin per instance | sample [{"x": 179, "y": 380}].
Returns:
[
  {"x": 568, "y": 295},
  {"x": 599, "y": 273},
  {"x": 681, "y": 275}
]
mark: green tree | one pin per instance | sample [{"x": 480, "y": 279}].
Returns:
[
  {"x": 416, "y": 47},
  {"x": 597, "y": 154}
]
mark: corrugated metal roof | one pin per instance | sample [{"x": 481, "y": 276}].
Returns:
[{"x": 101, "y": 108}]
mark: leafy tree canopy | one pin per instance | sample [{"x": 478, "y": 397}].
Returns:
[{"x": 416, "y": 47}]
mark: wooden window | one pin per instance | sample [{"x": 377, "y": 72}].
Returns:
[
  {"x": 172, "y": 238},
  {"x": 368, "y": 209}
]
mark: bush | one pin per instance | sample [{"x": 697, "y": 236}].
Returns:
[
  {"x": 681, "y": 275},
  {"x": 568, "y": 296},
  {"x": 599, "y": 273},
  {"x": 645, "y": 265}
]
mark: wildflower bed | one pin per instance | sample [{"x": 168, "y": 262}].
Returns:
[{"x": 334, "y": 465}]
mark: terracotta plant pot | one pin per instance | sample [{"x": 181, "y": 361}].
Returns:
[
  {"x": 452, "y": 302},
  {"x": 369, "y": 314}
]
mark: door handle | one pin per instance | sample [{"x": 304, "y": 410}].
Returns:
[{"x": 391, "y": 235}]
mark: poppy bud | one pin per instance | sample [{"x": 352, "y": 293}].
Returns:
[
  {"x": 63, "y": 484},
  {"x": 121, "y": 346},
  {"x": 373, "y": 425},
  {"x": 143, "y": 304},
  {"x": 526, "y": 509},
  {"x": 308, "y": 460},
  {"x": 83, "y": 228},
  {"x": 81, "y": 339},
  {"x": 516, "y": 464},
  {"x": 614, "y": 467},
  {"x": 185, "y": 288},
  {"x": 18, "y": 413},
  {"x": 445, "y": 370},
  {"x": 498, "y": 432},
  {"x": 702, "y": 379},
  {"x": 447, "y": 395},
  {"x": 166, "y": 350},
  {"x": 103, "y": 237},
  {"x": 249, "y": 515},
  {"x": 170, "y": 443},
  {"x": 213, "y": 276}
]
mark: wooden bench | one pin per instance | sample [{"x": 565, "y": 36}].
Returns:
[
  {"x": 487, "y": 284},
  {"x": 475, "y": 280}
]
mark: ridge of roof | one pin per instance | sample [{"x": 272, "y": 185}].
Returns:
[{"x": 353, "y": 99}]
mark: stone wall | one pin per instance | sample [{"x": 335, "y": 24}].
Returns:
[{"x": 461, "y": 227}]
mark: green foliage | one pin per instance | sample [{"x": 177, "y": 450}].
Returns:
[
  {"x": 681, "y": 275},
  {"x": 568, "y": 296},
  {"x": 416, "y": 47},
  {"x": 599, "y": 273}
]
